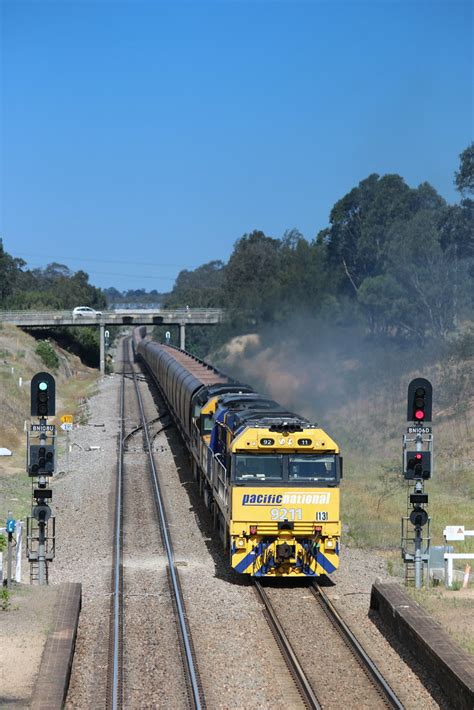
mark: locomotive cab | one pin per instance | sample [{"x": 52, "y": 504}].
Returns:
[{"x": 285, "y": 503}]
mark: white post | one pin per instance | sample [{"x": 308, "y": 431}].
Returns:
[
  {"x": 449, "y": 573},
  {"x": 19, "y": 529},
  {"x": 68, "y": 449},
  {"x": 102, "y": 348},
  {"x": 449, "y": 557}
]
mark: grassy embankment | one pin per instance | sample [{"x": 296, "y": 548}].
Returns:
[{"x": 74, "y": 381}]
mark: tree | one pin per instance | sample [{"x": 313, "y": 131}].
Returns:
[
  {"x": 356, "y": 240},
  {"x": 10, "y": 270},
  {"x": 252, "y": 278},
  {"x": 426, "y": 276},
  {"x": 464, "y": 178},
  {"x": 201, "y": 288}
]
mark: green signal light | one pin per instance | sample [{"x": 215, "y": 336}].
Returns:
[{"x": 43, "y": 386}]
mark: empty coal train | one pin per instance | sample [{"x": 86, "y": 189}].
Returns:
[{"x": 269, "y": 477}]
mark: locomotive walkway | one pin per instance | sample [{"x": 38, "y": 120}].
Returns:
[{"x": 177, "y": 316}]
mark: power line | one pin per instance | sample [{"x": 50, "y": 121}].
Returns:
[
  {"x": 126, "y": 276},
  {"x": 101, "y": 261}
]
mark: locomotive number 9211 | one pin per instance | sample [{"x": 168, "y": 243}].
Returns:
[{"x": 269, "y": 477}]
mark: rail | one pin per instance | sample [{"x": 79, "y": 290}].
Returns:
[
  {"x": 115, "y": 680},
  {"x": 377, "y": 678},
  {"x": 291, "y": 660}
]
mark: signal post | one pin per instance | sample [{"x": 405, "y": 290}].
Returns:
[
  {"x": 40, "y": 545},
  {"x": 417, "y": 468}
]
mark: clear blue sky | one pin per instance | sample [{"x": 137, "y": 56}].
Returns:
[{"x": 142, "y": 138}]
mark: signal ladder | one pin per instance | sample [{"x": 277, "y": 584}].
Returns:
[
  {"x": 408, "y": 548},
  {"x": 32, "y": 546}
]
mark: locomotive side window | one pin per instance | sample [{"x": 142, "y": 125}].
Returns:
[
  {"x": 258, "y": 468},
  {"x": 207, "y": 422},
  {"x": 312, "y": 468},
  {"x": 221, "y": 439}
]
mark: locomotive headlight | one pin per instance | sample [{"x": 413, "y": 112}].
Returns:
[
  {"x": 240, "y": 542},
  {"x": 330, "y": 544}
]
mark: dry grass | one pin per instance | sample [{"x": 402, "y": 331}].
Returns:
[
  {"x": 18, "y": 359},
  {"x": 451, "y": 609}
]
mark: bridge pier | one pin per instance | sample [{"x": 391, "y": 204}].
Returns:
[
  {"x": 102, "y": 348},
  {"x": 182, "y": 335}
]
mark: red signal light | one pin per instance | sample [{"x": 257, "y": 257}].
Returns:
[
  {"x": 419, "y": 456},
  {"x": 419, "y": 414}
]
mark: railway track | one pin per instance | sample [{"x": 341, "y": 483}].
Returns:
[
  {"x": 302, "y": 683},
  {"x": 133, "y": 625},
  {"x": 329, "y": 666},
  {"x": 378, "y": 681}
]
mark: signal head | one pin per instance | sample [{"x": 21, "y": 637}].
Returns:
[
  {"x": 43, "y": 395},
  {"x": 418, "y": 465},
  {"x": 418, "y": 516},
  {"x": 420, "y": 394}
]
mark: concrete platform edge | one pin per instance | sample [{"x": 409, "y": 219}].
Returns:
[
  {"x": 56, "y": 662},
  {"x": 450, "y": 667}
]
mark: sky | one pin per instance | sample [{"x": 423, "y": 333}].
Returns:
[{"x": 140, "y": 138}]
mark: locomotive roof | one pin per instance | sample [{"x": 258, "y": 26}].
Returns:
[
  {"x": 232, "y": 401},
  {"x": 221, "y": 388},
  {"x": 278, "y": 420}
]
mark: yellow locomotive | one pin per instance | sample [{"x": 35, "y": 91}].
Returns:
[{"x": 269, "y": 477}]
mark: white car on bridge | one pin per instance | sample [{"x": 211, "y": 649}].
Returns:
[{"x": 85, "y": 312}]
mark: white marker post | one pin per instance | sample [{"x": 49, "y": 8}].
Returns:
[{"x": 67, "y": 421}]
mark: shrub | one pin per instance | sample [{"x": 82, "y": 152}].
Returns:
[
  {"x": 5, "y": 599},
  {"x": 46, "y": 352}
]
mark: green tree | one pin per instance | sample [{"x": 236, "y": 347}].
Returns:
[
  {"x": 10, "y": 270},
  {"x": 425, "y": 274},
  {"x": 358, "y": 239},
  {"x": 252, "y": 279},
  {"x": 201, "y": 288},
  {"x": 464, "y": 178}
]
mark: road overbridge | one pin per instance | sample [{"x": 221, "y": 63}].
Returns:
[{"x": 177, "y": 316}]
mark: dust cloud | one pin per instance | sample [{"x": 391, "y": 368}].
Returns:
[{"x": 321, "y": 371}]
